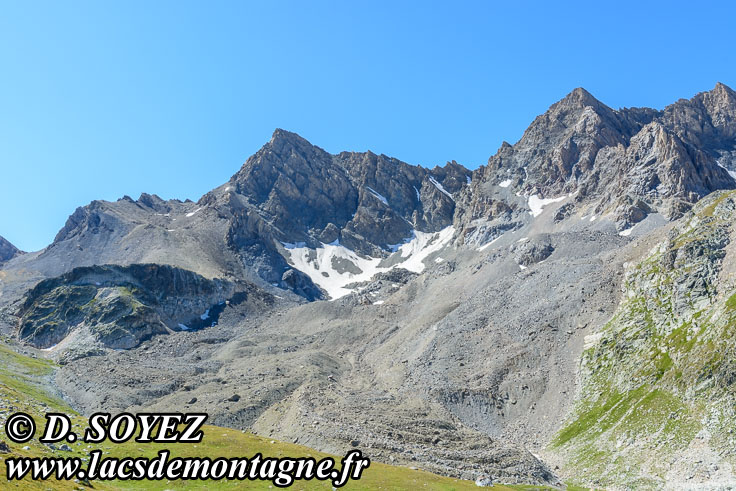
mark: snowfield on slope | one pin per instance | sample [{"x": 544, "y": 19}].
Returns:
[
  {"x": 441, "y": 188},
  {"x": 536, "y": 204},
  {"x": 333, "y": 266},
  {"x": 378, "y": 195}
]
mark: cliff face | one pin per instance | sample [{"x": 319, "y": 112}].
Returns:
[{"x": 364, "y": 200}]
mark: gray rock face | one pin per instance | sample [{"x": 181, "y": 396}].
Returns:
[
  {"x": 366, "y": 201},
  {"x": 707, "y": 121},
  {"x": 300, "y": 284},
  {"x": 122, "y": 306},
  {"x": 297, "y": 186},
  {"x": 7, "y": 250},
  {"x": 534, "y": 250},
  {"x": 628, "y": 162},
  {"x": 127, "y": 231}
]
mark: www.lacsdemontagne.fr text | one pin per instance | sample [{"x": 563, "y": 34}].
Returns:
[{"x": 282, "y": 471}]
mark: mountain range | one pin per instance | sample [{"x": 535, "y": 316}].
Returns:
[{"x": 563, "y": 312}]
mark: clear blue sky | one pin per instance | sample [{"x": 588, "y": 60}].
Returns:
[{"x": 102, "y": 99}]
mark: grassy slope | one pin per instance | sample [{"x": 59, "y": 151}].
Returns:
[
  {"x": 22, "y": 389},
  {"x": 659, "y": 370}
]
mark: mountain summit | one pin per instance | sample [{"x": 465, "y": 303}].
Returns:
[
  {"x": 629, "y": 163},
  {"x": 366, "y": 201},
  {"x": 7, "y": 250}
]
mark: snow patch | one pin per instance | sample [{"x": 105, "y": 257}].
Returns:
[
  {"x": 626, "y": 233},
  {"x": 440, "y": 187},
  {"x": 322, "y": 262},
  {"x": 319, "y": 264},
  {"x": 378, "y": 302},
  {"x": 191, "y": 214},
  {"x": 395, "y": 247},
  {"x": 183, "y": 327},
  {"x": 206, "y": 315},
  {"x": 423, "y": 245},
  {"x": 419, "y": 198},
  {"x": 378, "y": 195},
  {"x": 468, "y": 180},
  {"x": 505, "y": 184},
  {"x": 592, "y": 219},
  {"x": 522, "y": 267},
  {"x": 438, "y": 260},
  {"x": 536, "y": 204}
]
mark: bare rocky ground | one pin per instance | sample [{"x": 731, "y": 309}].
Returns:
[{"x": 461, "y": 370}]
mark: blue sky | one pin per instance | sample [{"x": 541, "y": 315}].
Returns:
[{"x": 103, "y": 99}]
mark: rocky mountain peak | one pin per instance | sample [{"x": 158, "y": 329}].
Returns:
[
  {"x": 721, "y": 106},
  {"x": 576, "y": 111},
  {"x": 722, "y": 90},
  {"x": 560, "y": 146},
  {"x": 285, "y": 153},
  {"x": 7, "y": 250},
  {"x": 296, "y": 185},
  {"x": 708, "y": 122},
  {"x": 291, "y": 194},
  {"x": 373, "y": 200},
  {"x": 628, "y": 162},
  {"x": 716, "y": 106},
  {"x": 282, "y": 139},
  {"x": 579, "y": 97}
]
